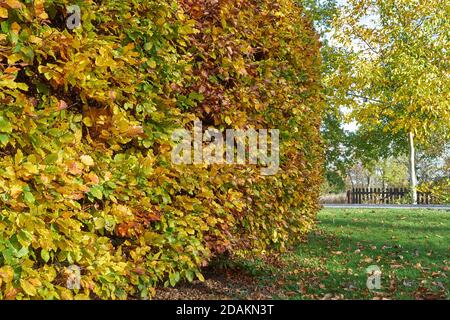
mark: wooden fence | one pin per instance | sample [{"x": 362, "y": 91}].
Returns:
[{"x": 385, "y": 196}]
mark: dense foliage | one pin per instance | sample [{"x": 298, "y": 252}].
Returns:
[
  {"x": 440, "y": 190},
  {"x": 86, "y": 117}
]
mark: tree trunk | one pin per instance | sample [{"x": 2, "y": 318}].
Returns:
[
  {"x": 351, "y": 180},
  {"x": 412, "y": 169}
]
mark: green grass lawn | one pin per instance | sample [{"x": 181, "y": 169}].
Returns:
[{"x": 411, "y": 247}]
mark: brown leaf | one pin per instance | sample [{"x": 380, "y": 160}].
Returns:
[
  {"x": 135, "y": 131},
  {"x": 368, "y": 260},
  {"x": 13, "y": 4},
  {"x": 11, "y": 70},
  {"x": 74, "y": 168}
]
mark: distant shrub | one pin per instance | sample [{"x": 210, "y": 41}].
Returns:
[
  {"x": 86, "y": 117},
  {"x": 439, "y": 190},
  {"x": 340, "y": 198}
]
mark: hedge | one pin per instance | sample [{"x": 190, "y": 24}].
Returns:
[{"x": 86, "y": 117}]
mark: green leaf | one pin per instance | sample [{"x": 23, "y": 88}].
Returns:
[
  {"x": 4, "y": 139},
  {"x": 28, "y": 197},
  {"x": 25, "y": 238},
  {"x": 174, "y": 278},
  {"x": 99, "y": 223},
  {"x": 190, "y": 275},
  {"x": 45, "y": 255},
  {"x": 196, "y": 96},
  {"x": 51, "y": 158},
  {"x": 5, "y": 125},
  {"x": 96, "y": 192},
  {"x": 22, "y": 252},
  {"x": 148, "y": 46}
]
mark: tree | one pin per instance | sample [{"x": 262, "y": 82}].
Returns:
[
  {"x": 336, "y": 139},
  {"x": 431, "y": 159},
  {"x": 344, "y": 149},
  {"x": 398, "y": 81}
]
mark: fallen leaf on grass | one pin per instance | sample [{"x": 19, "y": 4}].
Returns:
[
  {"x": 440, "y": 285},
  {"x": 330, "y": 296}
]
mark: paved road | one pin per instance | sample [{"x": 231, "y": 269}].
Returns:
[{"x": 385, "y": 206}]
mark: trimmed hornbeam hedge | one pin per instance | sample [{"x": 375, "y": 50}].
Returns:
[{"x": 86, "y": 117}]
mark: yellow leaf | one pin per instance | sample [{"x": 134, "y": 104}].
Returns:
[
  {"x": 18, "y": 158},
  {"x": 15, "y": 190},
  {"x": 28, "y": 287},
  {"x": 7, "y": 273},
  {"x": 87, "y": 160},
  {"x": 15, "y": 27},
  {"x": 87, "y": 122},
  {"x": 39, "y": 9},
  {"x": 200, "y": 276},
  {"x": 13, "y": 4},
  {"x": 3, "y": 13}
]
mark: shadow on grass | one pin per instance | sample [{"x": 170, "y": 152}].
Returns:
[{"x": 385, "y": 226}]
